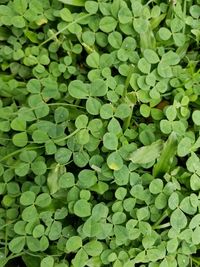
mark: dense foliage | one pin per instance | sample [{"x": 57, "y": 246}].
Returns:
[{"x": 99, "y": 133}]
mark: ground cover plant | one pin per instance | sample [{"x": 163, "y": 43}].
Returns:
[{"x": 99, "y": 133}]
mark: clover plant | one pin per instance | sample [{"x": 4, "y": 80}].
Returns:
[{"x": 99, "y": 133}]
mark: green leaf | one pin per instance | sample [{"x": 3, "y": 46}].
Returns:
[
  {"x": 82, "y": 208},
  {"x": 156, "y": 186},
  {"x": 83, "y": 137},
  {"x": 61, "y": 114},
  {"x": 34, "y": 86},
  {"x": 22, "y": 169},
  {"x": 19, "y": 227},
  {"x": 93, "y": 248},
  {"x": 28, "y": 155},
  {"x": 91, "y": 7},
  {"x": 194, "y": 11},
  {"x": 66, "y": 180},
  {"x": 187, "y": 207},
  {"x": 81, "y": 121},
  {"x": 118, "y": 218},
  {"x": 144, "y": 66},
  {"x": 55, "y": 231},
  {"x": 110, "y": 141},
  {"x": 164, "y": 162},
  {"x": 27, "y": 198},
  {"x": 38, "y": 231},
  {"x": 47, "y": 262},
  {"x": 52, "y": 178},
  {"x": 114, "y": 161},
  {"x": 107, "y": 24},
  {"x": 147, "y": 154},
  {"x": 40, "y": 137},
  {"x": 125, "y": 16},
  {"x": 93, "y": 106},
  {"x": 106, "y": 111},
  {"x": 73, "y": 243},
  {"x": 80, "y": 259},
  {"x": 44, "y": 243},
  {"x": 73, "y": 2},
  {"x": 164, "y": 33},
  {"x": 29, "y": 214},
  {"x": 170, "y": 58},
  {"x": 195, "y": 236},
  {"x": 173, "y": 201},
  {"x": 184, "y": 147},
  {"x": 20, "y": 6},
  {"x": 151, "y": 56},
  {"x": 196, "y": 117},
  {"x": 115, "y": 39},
  {"x": 18, "y": 124},
  {"x": 93, "y": 60},
  {"x": 78, "y": 89},
  {"x": 33, "y": 244},
  {"x": 121, "y": 175},
  {"x": 87, "y": 178},
  {"x": 178, "y": 219},
  {"x": 122, "y": 111},
  {"x": 91, "y": 228},
  {"x": 100, "y": 211},
  {"x": 114, "y": 126},
  {"x": 38, "y": 167},
  {"x": 20, "y": 139},
  {"x": 195, "y": 221},
  {"x": 17, "y": 244},
  {"x": 43, "y": 200},
  {"x": 193, "y": 163},
  {"x": 195, "y": 182},
  {"x": 164, "y": 70},
  {"x": 63, "y": 155},
  {"x": 98, "y": 88},
  {"x": 18, "y": 22},
  {"x": 31, "y": 261}
]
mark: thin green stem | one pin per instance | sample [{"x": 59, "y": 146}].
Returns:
[
  {"x": 165, "y": 215},
  {"x": 65, "y": 28},
  {"x": 49, "y": 104},
  {"x": 184, "y": 13},
  {"x": 128, "y": 120},
  {"x": 18, "y": 151},
  {"x": 165, "y": 225},
  {"x": 68, "y": 136},
  {"x": 37, "y": 147},
  {"x": 9, "y": 139},
  {"x": 127, "y": 82},
  {"x": 6, "y": 242},
  {"x": 64, "y": 104},
  {"x": 195, "y": 261}
]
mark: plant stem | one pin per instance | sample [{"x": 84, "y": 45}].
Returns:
[
  {"x": 68, "y": 136},
  {"x": 165, "y": 214},
  {"x": 165, "y": 225},
  {"x": 18, "y": 151},
  {"x": 127, "y": 82},
  {"x": 195, "y": 261},
  {"x": 65, "y": 28},
  {"x": 128, "y": 78},
  {"x": 128, "y": 120}
]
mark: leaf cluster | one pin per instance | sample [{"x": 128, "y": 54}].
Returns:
[{"x": 99, "y": 133}]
